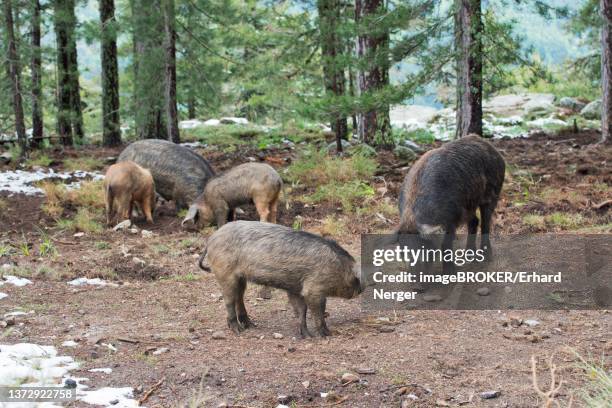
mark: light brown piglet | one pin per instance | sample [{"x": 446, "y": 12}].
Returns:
[{"x": 126, "y": 184}]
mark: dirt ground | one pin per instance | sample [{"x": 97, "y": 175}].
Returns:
[{"x": 414, "y": 358}]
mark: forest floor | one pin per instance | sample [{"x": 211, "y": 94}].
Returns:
[{"x": 161, "y": 315}]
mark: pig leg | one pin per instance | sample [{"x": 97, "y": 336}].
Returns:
[
  {"x": 273, "y": 210},
  {"x": 316, "y": 304},
  {"x": 243, "y": 317},
  {"x": 145, "y": 205},
  {"x": 230, "y": 297},
  {"x": 262, "y": 209},
  {"x": 472, "y": 231},
  {"x": 486, "y": 213},
  {"x": 300, "y": 308},
  {"x": 448, "y": 267}
]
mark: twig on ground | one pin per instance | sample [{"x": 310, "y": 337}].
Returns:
[{"x": 151, "y": 390}]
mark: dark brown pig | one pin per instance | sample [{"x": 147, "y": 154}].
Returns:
[
  {"x": 179, "y": 173},
  {"x": 446, "y": 186},
  {"x": 127, "y": 184},
  {"x": 247, "y": 183},
  {"x": 308, "y": 267}
]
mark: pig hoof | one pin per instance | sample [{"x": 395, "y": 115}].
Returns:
[
  {"x": 246, "y": 322},
  {"x": 304, "y": 333},
  {"x": 324, "y": 332},
  {"x": 234, "y": 326}
]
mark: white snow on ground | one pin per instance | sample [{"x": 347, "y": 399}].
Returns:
[
  {"x": 70, "y": 343},
  {"x": 3, "y": 295},
  {"x": 86, "y": 281},
  {"x": 33, "y": 365},
  {"x": 17, "y": 313},
  {"x": 20, "y": 181},
  {"x": 121, "y": 397},
  {"x": 14, "y": 280},
  {"x": 101, "y": 370}
]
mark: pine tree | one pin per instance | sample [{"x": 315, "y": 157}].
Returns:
[
  {"x": 14, "y": 67},
  {"x": 468, "y": 42},
  {"x": 111, "y": 127},
  {"x": 75, "y": 87},
  {"x": 149, "y": 57},
  {"x": 332, "y": 46},
  {"x": 170, "y": 76},
  {"x": 374, "y": 125},
  {"x": 606, "y": 71},
  {"x": 36, "y": 67}
]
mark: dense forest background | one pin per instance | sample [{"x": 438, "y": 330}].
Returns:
[{"x": 111, "y": 71}]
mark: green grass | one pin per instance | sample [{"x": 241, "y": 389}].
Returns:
[
  {"x": 420, "y": 136},
  {"x": 565, "y": 220},
  {"x": 39, "y": 159},
  {"x": 315, "y": 167},
  {"x": 346, "y": 194},
  {"x": 598, "y": 391},
  {"x": 534, "y": 221},
  {"x": 47, "y": 248},
  {"x": 83, "y": 163},
  {"x": 84, "y": 220},
  {"x": 5, "y": 250},
  {"x": 101, "y": 245},
  {"x": 3, "y": 205}
]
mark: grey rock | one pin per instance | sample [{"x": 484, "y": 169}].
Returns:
[
  {"x": 5, "y": 158},
  {"x": 592, "y": 110},
  {"x": 571, "y": 103},
  {"x": 413, "y": 146},
  {"x": 218, "y": 335},
  {"x": 490, "y": 394},
  {"x": 70, "y": 383},
  {"x": 404, "y": 153},
  {"x": 363, "y": 149},
  {"x": 332, "y": 146},
  {"x": 484, "y": 291}
]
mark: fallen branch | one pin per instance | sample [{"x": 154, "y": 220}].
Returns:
[
  {"x": 602, "y": 204},
  {"x": 549, "y": 396},
  {"x": 151, "y": 390}
]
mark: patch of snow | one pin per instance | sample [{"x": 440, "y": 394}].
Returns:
[
  {"x": 70, "y": 343},
  {"x": 14, "y": 280},
  {"x": 86, "y": 281},
  {"x": 542, "y": 122},
  {"x": 234, "y": 120},
  {"x": 101, "y": 370},
  {"x": 20, "y": 181},
  {"x": 37, "y": 366},
  {"x": 3, "y": 295},
  {"x": 191, "y": 144},
  {"x": 110, "y": 397},
  {"x": 212, "y": 122},
  {"x": 17, "y": 313},
  {"x": 190, "y": 124}
]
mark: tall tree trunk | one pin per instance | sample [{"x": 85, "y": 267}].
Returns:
[
  {"x": 606, "y": 71},
  {"x": 36, "y": 67},
  {"x": 374, "y": 125},
  {"x": 75, "y": 87},
  {"x": 331, "y": 47},
  {"x": 15, "y": 76},
  {"x": 351, "y": 76},
  {"x": 111, "y": 127},
  {"x": 63, "y": 62},
  {"x": 149, "y": 83},
  {"x": 192, "y": 105},
  {"x": 468, "y": 40},
  {"x": 170, "y": 80}
]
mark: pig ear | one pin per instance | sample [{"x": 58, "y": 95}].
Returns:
[{"x": 191, "y": 214}]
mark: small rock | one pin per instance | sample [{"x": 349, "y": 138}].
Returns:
[
  {"x": 5, "y": 158},
  {"x": 291, "y": 349},
  {"x": 277, "y": 336},
  {"x": 432, "y": 298},
  {"x": 306, "y": 384},
  {"x": 592, "y": 110},
  {"x": 404, "y": 153},
  {"x": 386, "y": 329},
  {"x": 484, "y": 291},
  {"x": 490, "y": 394},
  {"x": 138, "y": 261},
  {"x": 366, "y": 370},
  {"x": 531, "y": 322},
  {"x": 557, "y": 330},
  {"x": 285, "y": 399},
  {"x": 218, "y": 335},
  {"x": 70, "y": 383},
  {"x": 123, "y": 225},
  {"x": 161, "y": 351},
  {"x": 147, "y": 233},
  {"x": 348, "y": 378},
  {"x": 114, "y": 402},
  {"x": 81, "y": 312},
  {"x": 332, "y": 146},
  {"x": 134, "y": 230},
  {"x": 79, "y": 235}
]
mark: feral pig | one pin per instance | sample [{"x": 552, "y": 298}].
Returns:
[
  {"x": 446, "y": 186},
  {"x": 126, "y": 184},
  {"x": 179, "y": 173},
  {"x": 310, "y": 268},
  {"x": 258, "y": 183}
]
